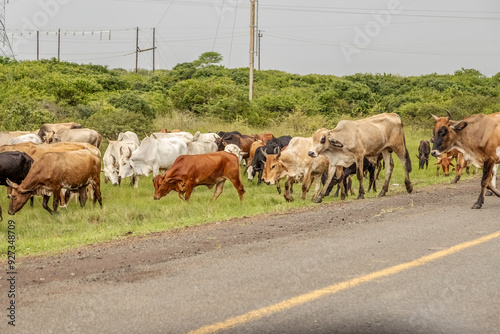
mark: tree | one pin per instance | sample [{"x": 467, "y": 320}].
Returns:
[{"x": 208, "y": 58}]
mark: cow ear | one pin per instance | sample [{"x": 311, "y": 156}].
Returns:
[
  {"x": 335, "y": 143},
  {"x": 459, "y": 127}
]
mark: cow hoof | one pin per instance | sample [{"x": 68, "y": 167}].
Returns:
[
  {"x": 318, "y": 200},
  {"x": 489, "y": 193},
  {"x": 361, "y": 197},
  {"x": 476, "y": 206},
  {"x": 289, "y": 199}
]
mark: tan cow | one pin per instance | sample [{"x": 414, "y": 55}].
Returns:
[
  {"x": 48, "y": 130},
  {"x": 295, "y": 164},
  {"x": 478, "y": 138},
  {"x": 78, "y": 135},
  {"x": 53, "y": 171},
  {"x": 351, "y": 141}
]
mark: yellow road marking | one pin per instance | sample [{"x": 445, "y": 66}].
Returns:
[{"x": 332, "y": 289}]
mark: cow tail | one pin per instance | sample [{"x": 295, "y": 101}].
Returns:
[{"x": 407, "y": 156}]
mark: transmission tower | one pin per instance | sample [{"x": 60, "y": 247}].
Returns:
[{"x": 5, "y": 47}]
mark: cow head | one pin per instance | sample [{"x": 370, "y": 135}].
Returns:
[
  {"x": 125, "y": 164},
  {"x": 164, "y": 185},
  {"x": 273, "y": 168},
  {"x": 111, "y": 172},
  {"x": 444, "y": 134},
  {"x": 445, "y": 162},
  {"x": 18, "y": 197},
  {"x": 322, "y": 141}
]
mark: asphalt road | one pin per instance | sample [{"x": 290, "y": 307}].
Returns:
[{"x": 402, "y": 264}]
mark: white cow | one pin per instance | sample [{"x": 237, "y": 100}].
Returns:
[
  {"x": 78, "y": 135},
  {"x": 234, "y": 149},
  {"x": 152, "y": 155},
  {"x": 198, "y": 136},
  {"x": 188, "y": 136},
  {"x": 25, "y": 138},
  {"x": 111, "y": 159},
  {"x": 201, "y": 147},
  {"x": 129, "y": 136}
]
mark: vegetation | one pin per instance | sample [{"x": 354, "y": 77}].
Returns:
[
  {"x": 201, "y": 95},
  {"x": 110, "y": 101}
]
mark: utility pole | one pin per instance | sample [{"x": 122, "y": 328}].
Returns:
[
  {"x": 252, "y": 47},
  {"x": 5, "y": 47},
  {"x": 137, "y": 50},
  {"x": 38, "y": 45},
  {"x": 259, "y": 35},
  {"x": 154, "y": 49},
  {"x": 59, "y": 44}
]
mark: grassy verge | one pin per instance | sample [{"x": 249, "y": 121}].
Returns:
[{"x": 128, "y": 211}]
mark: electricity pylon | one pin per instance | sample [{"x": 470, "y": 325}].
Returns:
[{"x": 5, "y": 47}]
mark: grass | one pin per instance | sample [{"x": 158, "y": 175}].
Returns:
[{"x": 130, "y": 212}]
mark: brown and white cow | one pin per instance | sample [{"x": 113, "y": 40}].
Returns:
[
  {"x": 189, "y": 171},
  {"x": 351, "y": 141},
  {"x": 295, "y": 164},
  {"x": 478, "y": 138},
  {"x": 53, "y": 171}
]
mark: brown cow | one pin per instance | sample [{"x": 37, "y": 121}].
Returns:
[
  {"x": 294, "y": 163},
  {"x": 444, "y": 161},
  {"x": 52, "y": 172},
  {"x": 478, "y": 138},
  {"x": 189, "y": 171},
  {"x": 351, "y": 141}
]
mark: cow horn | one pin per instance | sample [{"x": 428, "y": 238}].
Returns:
[
  {"x": 129, "y": 153},
  {"x": 114, "y": 159},
  {"x": 279, "y": 155},
  {"x": 12, "y": 184},
  {"x": 153, "y": 135},
  {"x": 448, "y": 112},
  {"x": 264, "y": 153},
  {"x": 435, "y": 117}
]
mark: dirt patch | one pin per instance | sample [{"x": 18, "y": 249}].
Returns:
[{"x": 128, "y": 259}]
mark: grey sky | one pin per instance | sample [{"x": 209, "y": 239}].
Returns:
[{"x": 338, "y": 37}]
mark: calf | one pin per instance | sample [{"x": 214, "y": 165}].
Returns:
[
  {"x": 259, "y": 159},
  {"x": 188, "y": 171},
  {"x": 424, "y": 150}
]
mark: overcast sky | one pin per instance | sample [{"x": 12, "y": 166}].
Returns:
[{"x": 338, "y": 37}]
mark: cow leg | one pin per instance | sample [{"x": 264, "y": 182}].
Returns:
[
  {"x": 134, "y": 181},
  {"x": 359, "y": 174},
  {"x": 45, "y": 203},
  {"x": 56, "y": 200},
  {"x": 278, "y": 186},
  {"x": 388, "y": 172},
  {"x": 493, "y": 179},
  {"x": 317, "y": 187},
  {"x": 485, "y": 182},
  {"x": 82, "y": 198},
  {"x": 96, "y": 186},
  {"x": 329, "y": 178},
  {"x": 235, "y": 180},
  {"x": 32, "y": 198},
  {"x": 459, "y": 168},
  {"x": 218, "y": 190},
  {"x": 404, "y": 157},
  {"x": 288, "y": 185},
  {"x": 306, "y": 183}
]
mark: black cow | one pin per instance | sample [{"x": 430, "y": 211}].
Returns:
[
  {"x": 259, "y": 160},
  {"x": 346, "y": 181},
  {"x": 281, "y": 141},
  {"x": 14, "y": 165},
  {"x": 424, "y": 149}
]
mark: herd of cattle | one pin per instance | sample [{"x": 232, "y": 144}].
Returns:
[{"x": 64, "y": 158}]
